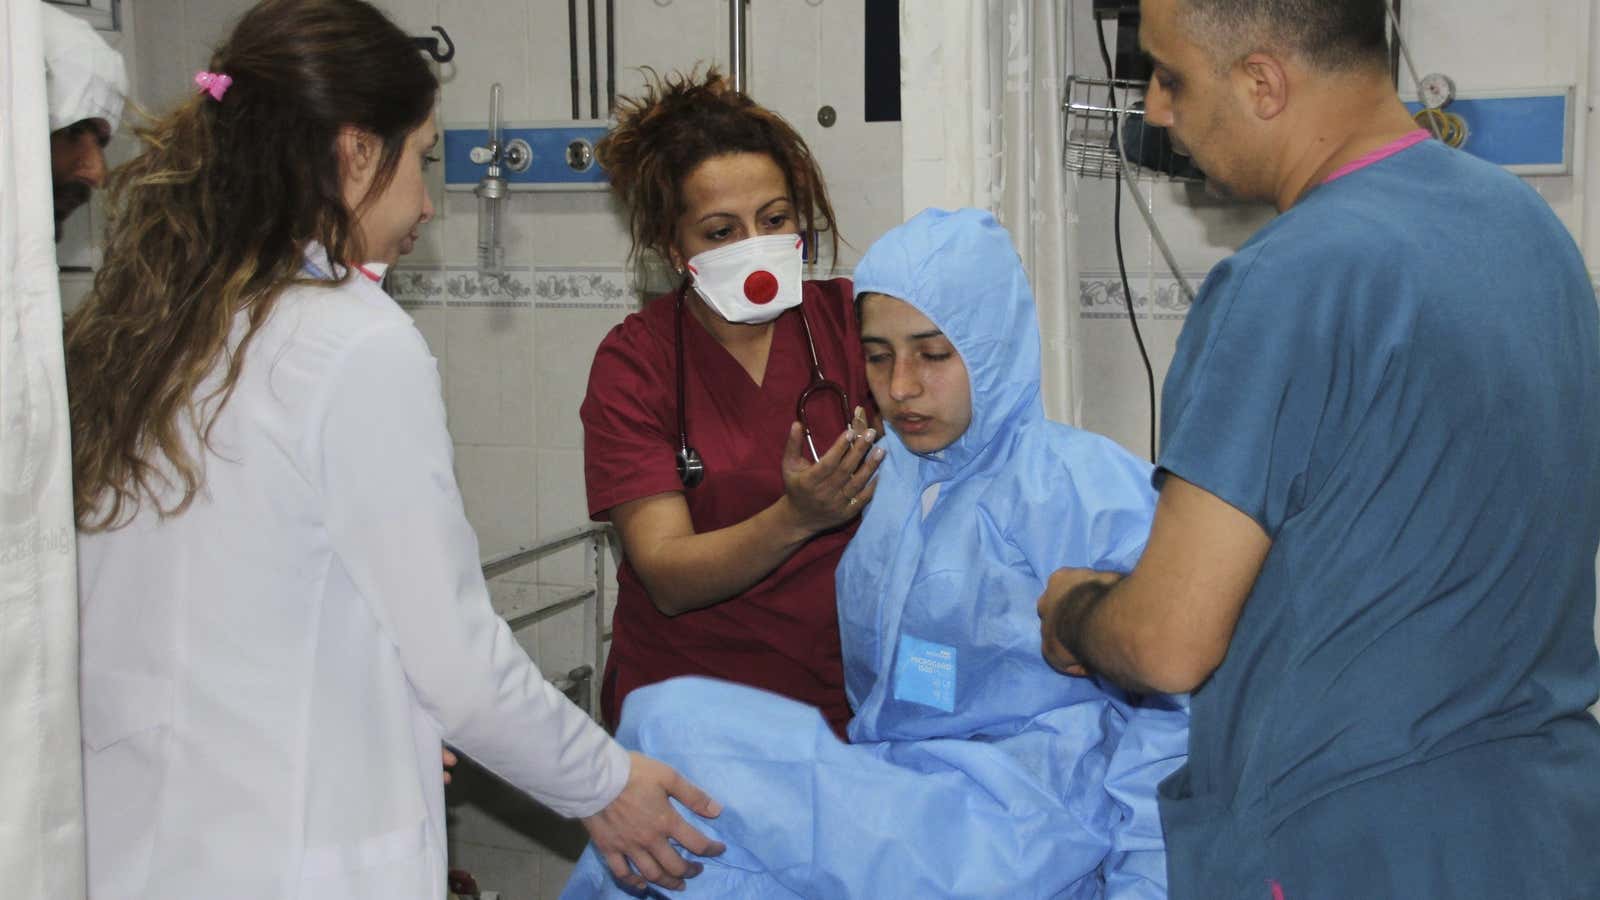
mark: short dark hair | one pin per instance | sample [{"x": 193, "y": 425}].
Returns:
[
  {"x": 1335, "y": 35},
  {"x": 78, "y": 129}
]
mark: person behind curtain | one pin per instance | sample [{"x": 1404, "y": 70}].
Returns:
[
  {"x": 86, "y": 86},
  {"x": 972, "y": 769},
  {"x": 1373, "y": 558},
  {"x": 282, "y": 610},
  {"x": 731, "y": 577}
]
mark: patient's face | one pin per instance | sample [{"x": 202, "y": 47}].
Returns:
[{"x": 916, "y": 375}]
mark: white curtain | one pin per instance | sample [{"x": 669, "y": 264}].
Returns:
[
  {"x": 980, "y": 88},
  {"x": 41, "y": 793}
]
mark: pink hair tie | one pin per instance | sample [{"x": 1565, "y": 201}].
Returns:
[{"x": 213, "y": 83}]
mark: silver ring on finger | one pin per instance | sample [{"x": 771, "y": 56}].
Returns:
[{"x": 851, "y": 502}]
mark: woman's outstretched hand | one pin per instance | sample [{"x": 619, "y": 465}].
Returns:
[
  {"x": 636, "y": 827},
  {"x": 831, "y": 491}
]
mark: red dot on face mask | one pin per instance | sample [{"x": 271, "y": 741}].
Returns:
[{"x": 761, "y": 286}]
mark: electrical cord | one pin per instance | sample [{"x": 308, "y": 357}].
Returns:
[{"x": 1116, "y": 230}]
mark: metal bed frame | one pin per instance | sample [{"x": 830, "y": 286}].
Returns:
[{"x": 581, "y": 684}]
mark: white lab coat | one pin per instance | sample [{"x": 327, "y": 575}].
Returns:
[{"x": 268, "y": 676}]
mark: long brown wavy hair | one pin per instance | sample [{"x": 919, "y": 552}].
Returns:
[
  {"x": 209, "y": 224},
  {"x": 678, "y": 123}
]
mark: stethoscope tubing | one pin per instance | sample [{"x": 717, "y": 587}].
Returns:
[{"x": 691, "y": 469}]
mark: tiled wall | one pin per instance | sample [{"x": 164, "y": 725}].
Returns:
[{"x": 514, "y": 355}]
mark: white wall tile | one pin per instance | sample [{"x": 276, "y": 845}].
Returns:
[
  {"x": 489, "y": 375},
  {"x": 491, "y": 38},
  {"x": 1486, "y": 45},
  {"x": 790, "y": 81},
  {"x": 1590, "y": 238},
  {"x": 415, "y": 17},
  {"x": 563, "y": 506},
  {"x": 665, "y": 35},
  {"x": 431, "y": 322},
  {"x": 214, "y": 19},
  {"x": 567, "y": 340},
  {"x": 559, "y": 639},
  {"x": 498, "y": 489},
  {"x": 1116, "y": 403},
  {"x": 570, "y": 228}
]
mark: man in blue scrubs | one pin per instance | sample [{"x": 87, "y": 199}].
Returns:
[{"x": 1373, "y": 556}]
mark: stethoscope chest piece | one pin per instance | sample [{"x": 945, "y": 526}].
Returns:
[{"x": 691, "y": 470}]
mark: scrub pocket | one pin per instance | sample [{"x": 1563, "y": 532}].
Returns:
[{"x": 126, "y": 748}]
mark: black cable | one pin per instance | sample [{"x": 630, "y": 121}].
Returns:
[
  {"x": 572, "y": 46},
  {"x": 1394, "y": 46},
  {"x": 611, "y": 57},
  {"x": 594, "y": 68},
  {"x": 1116, "y": 230}
]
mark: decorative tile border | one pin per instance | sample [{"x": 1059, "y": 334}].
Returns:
[
  {"x": 465, "y": 287},
  {"x": 580, "y": 288},
  {"x": 416, "y": 288},
  {"x": 1100, "y": 296},
  {"x": 421, "y": 288},
  {"x": 577, "y": 288},
  {"x": 519, "y": 288},
  {"x": 539, "y": 287}
]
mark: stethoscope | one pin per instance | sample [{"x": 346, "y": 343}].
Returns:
[{"x": 691, "y": 468}]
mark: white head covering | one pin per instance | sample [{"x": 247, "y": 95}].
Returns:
[{"x": 84, "y": 77}]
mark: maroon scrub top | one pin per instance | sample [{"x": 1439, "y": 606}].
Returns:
[{"x": 782, "y": 634}]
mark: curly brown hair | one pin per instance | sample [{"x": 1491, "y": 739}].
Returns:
[
  {"x": 209, "y": 224},
  {"x": 679, "y": 122}
]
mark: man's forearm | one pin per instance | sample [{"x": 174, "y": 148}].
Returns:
[{"x": 1086, "y": 628}]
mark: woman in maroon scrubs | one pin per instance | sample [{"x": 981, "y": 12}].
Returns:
[{"x": 726, "y": 425}]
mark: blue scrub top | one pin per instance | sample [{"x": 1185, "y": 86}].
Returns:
[{"x": 1399, "y": 380}]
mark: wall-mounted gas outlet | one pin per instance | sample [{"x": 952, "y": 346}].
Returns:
[
  {"x": 1528, "y": 131},
  {"x": 561, "y": 157}
]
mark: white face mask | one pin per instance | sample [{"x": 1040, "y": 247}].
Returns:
[{"x": 752, "y": 281}]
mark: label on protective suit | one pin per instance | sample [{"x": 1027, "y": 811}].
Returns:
[{"x": 925, "y": 673}]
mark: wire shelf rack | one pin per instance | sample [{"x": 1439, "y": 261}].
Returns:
[{"x": 1097, "y": 112}]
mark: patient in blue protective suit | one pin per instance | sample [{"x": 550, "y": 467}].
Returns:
[{"x": 973, "y": 769}]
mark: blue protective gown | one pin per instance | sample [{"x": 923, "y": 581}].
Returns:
[{"x": 973, "y": 770}]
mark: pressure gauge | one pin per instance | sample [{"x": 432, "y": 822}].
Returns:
[{"x": 1435, "y": 90}]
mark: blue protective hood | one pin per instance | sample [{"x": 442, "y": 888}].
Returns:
[{"x": 960, "y": 270}]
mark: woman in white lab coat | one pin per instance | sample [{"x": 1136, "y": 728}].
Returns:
[{"x": 283, "y": 616}]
